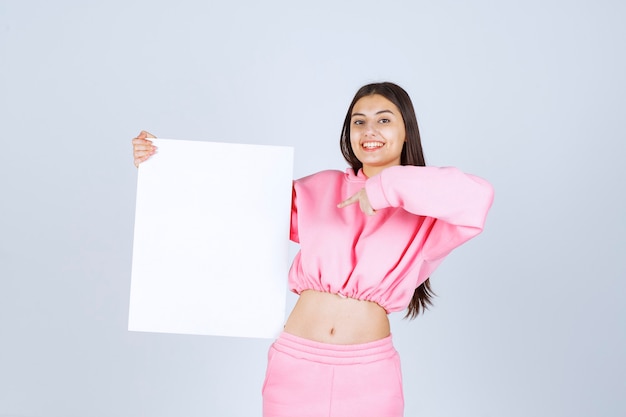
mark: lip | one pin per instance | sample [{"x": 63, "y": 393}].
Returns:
[{"x": 363, "y": 147}]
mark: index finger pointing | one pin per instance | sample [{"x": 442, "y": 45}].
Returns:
[{"x": 348, "y": 201}]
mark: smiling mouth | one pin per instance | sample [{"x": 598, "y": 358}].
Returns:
[{"x": 372, "y": 145}]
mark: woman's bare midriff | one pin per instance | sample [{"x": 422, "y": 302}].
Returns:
[{"x": 330, "y": 318}]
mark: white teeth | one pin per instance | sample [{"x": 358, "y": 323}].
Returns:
[{"x": 372, "y": 145}]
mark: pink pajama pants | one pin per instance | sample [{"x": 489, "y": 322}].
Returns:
[{"x": 312, "y": 379}]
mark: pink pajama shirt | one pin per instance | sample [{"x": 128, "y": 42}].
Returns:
[{"x": 422, "y": 213}]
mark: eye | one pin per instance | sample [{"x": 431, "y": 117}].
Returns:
[
  {"x": 384, "y": 121},
  {"x": 358, "y": 122}
]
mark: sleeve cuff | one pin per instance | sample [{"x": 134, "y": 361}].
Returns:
[{"x": 375, "y": 193}]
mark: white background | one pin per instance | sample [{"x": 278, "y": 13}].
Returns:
[{"x": 529, "y": 318}]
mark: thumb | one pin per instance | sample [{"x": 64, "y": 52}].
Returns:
[{"x": 145, "y": 135}]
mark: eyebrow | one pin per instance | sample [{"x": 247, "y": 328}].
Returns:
[{"x": 377, "y": 113}]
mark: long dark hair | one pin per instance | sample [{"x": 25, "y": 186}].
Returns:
[{"x": 412, "y": 154}]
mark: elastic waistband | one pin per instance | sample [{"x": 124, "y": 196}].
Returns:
[{"x": 328, "y": 353}]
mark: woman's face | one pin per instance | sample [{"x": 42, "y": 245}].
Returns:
[{"x": 377, "y": 133}]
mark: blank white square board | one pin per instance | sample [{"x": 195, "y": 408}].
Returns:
[{"x": 210, "y": 250}]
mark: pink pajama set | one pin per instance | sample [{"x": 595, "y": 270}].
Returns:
[{"x": 422, "y": 214}]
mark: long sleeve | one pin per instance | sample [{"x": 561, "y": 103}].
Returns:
[
  {"x": 458, "y": 201},
  {"x": 293, "y": 229}
]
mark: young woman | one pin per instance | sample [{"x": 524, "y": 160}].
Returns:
[{"x": 369, "y": 239}]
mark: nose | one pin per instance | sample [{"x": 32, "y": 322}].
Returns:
[{"x": 370, "y": 129}]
